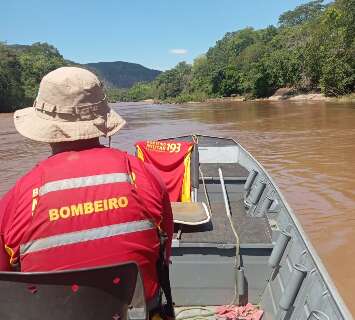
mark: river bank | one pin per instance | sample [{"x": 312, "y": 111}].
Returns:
[
  {"x": 280, "y": 95},
  {"x": 283, "y": 94}
]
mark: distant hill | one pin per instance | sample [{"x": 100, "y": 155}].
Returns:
[
  {"x": 23, "y": 66},
  {"x": 117, "y": 74},
  {"x": 19, "y": 47},
  {"x": 122, "y": 74}
]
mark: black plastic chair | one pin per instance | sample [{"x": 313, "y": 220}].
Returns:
[{"x": 110, "y": 292}]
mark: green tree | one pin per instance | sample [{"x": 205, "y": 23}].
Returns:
[
  {"x": 337, "y": 77},
  {"x": 173, "y": 82},
  {"x": 201, "y": 78},
  {"x": 283, "y": 67},
  {"x": 331, "y": 50},
  {"x": 227, "y": 82},
  {"x": 116, "y": 94},
  {"x": 301, "y": 14},
  {"x": 36, "y": 61},
  {"x": 140, "y": 91},
  {"x": 258, "y": 82},
  {"x": 11, "y": 93}
]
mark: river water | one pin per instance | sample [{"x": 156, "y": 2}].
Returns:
[{"x": 308, "y": 148}]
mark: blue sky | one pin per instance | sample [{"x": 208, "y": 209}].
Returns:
[{"x": 154, "y": 33}]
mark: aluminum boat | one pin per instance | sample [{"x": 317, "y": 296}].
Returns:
[{"x": 253, "y": 249}]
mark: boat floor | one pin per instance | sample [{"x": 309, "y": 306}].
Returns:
[
  {"x": 251, "y": 230},
  {"x": 231, "y": 171}
]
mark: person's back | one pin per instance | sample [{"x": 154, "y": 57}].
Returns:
[{"x": 85, "y": 207}]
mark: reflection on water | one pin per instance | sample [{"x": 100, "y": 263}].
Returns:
[{"x": 308, "y": 149}]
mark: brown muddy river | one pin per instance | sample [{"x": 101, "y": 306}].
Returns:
[{"x": 308, "y": 148}]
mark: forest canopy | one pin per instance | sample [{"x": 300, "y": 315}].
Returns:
[{"x": 21, "y": 70}]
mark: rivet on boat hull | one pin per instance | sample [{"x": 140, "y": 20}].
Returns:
[
  {"x": 279, "y": 249},
  {"x": 251, "y": 177},
  {"x": 255, "y": 197},
  {"x": 298, "y": 274}
]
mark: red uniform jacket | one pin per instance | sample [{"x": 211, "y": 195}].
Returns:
[{"x": 83, "y": 209}]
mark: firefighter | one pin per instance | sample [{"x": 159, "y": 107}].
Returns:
[{"x": 86, "y": 205}]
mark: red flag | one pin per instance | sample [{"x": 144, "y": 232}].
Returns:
[{"x": 172, "y": 159}]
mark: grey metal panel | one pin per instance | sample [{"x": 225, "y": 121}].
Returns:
[
  {"x": 310, "y": 292},
  {"x": 271, "y": 303},
  {"x": 225, "y": 154},
  {"x": 315, "y": 297},
  {"x": 205, "y": 276},
  {"x": 300, "y": 250},
  {"x": 237, "y": 179},
  {"x": 233, "y": 170},
  {"x": 202, "y": 279},
  {"x": 235, "y": 187},
  {"x": 256, "y": 274},
  {"x": 215, "y": 141},
  {"x": 179, "y": 244}
]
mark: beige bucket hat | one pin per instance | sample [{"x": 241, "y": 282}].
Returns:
[{"x": 70, "y": 105}]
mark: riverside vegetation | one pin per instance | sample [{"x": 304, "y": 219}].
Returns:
[
  {"x": 311, "y": 49},
  {"x": 21, "y": 70}
]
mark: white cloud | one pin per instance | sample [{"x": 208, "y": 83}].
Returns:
[{"x": 180, "y": 52}]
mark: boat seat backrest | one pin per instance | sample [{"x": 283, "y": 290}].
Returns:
[
  {"x": 85, "y": 294},
  {"x": 177, "y": 161},
  {"x": 172, "y": 159}
]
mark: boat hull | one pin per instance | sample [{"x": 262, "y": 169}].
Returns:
[{"x": 293, "y": 284}]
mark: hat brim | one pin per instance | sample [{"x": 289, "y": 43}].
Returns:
[{"x": 30, "y": 125}]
